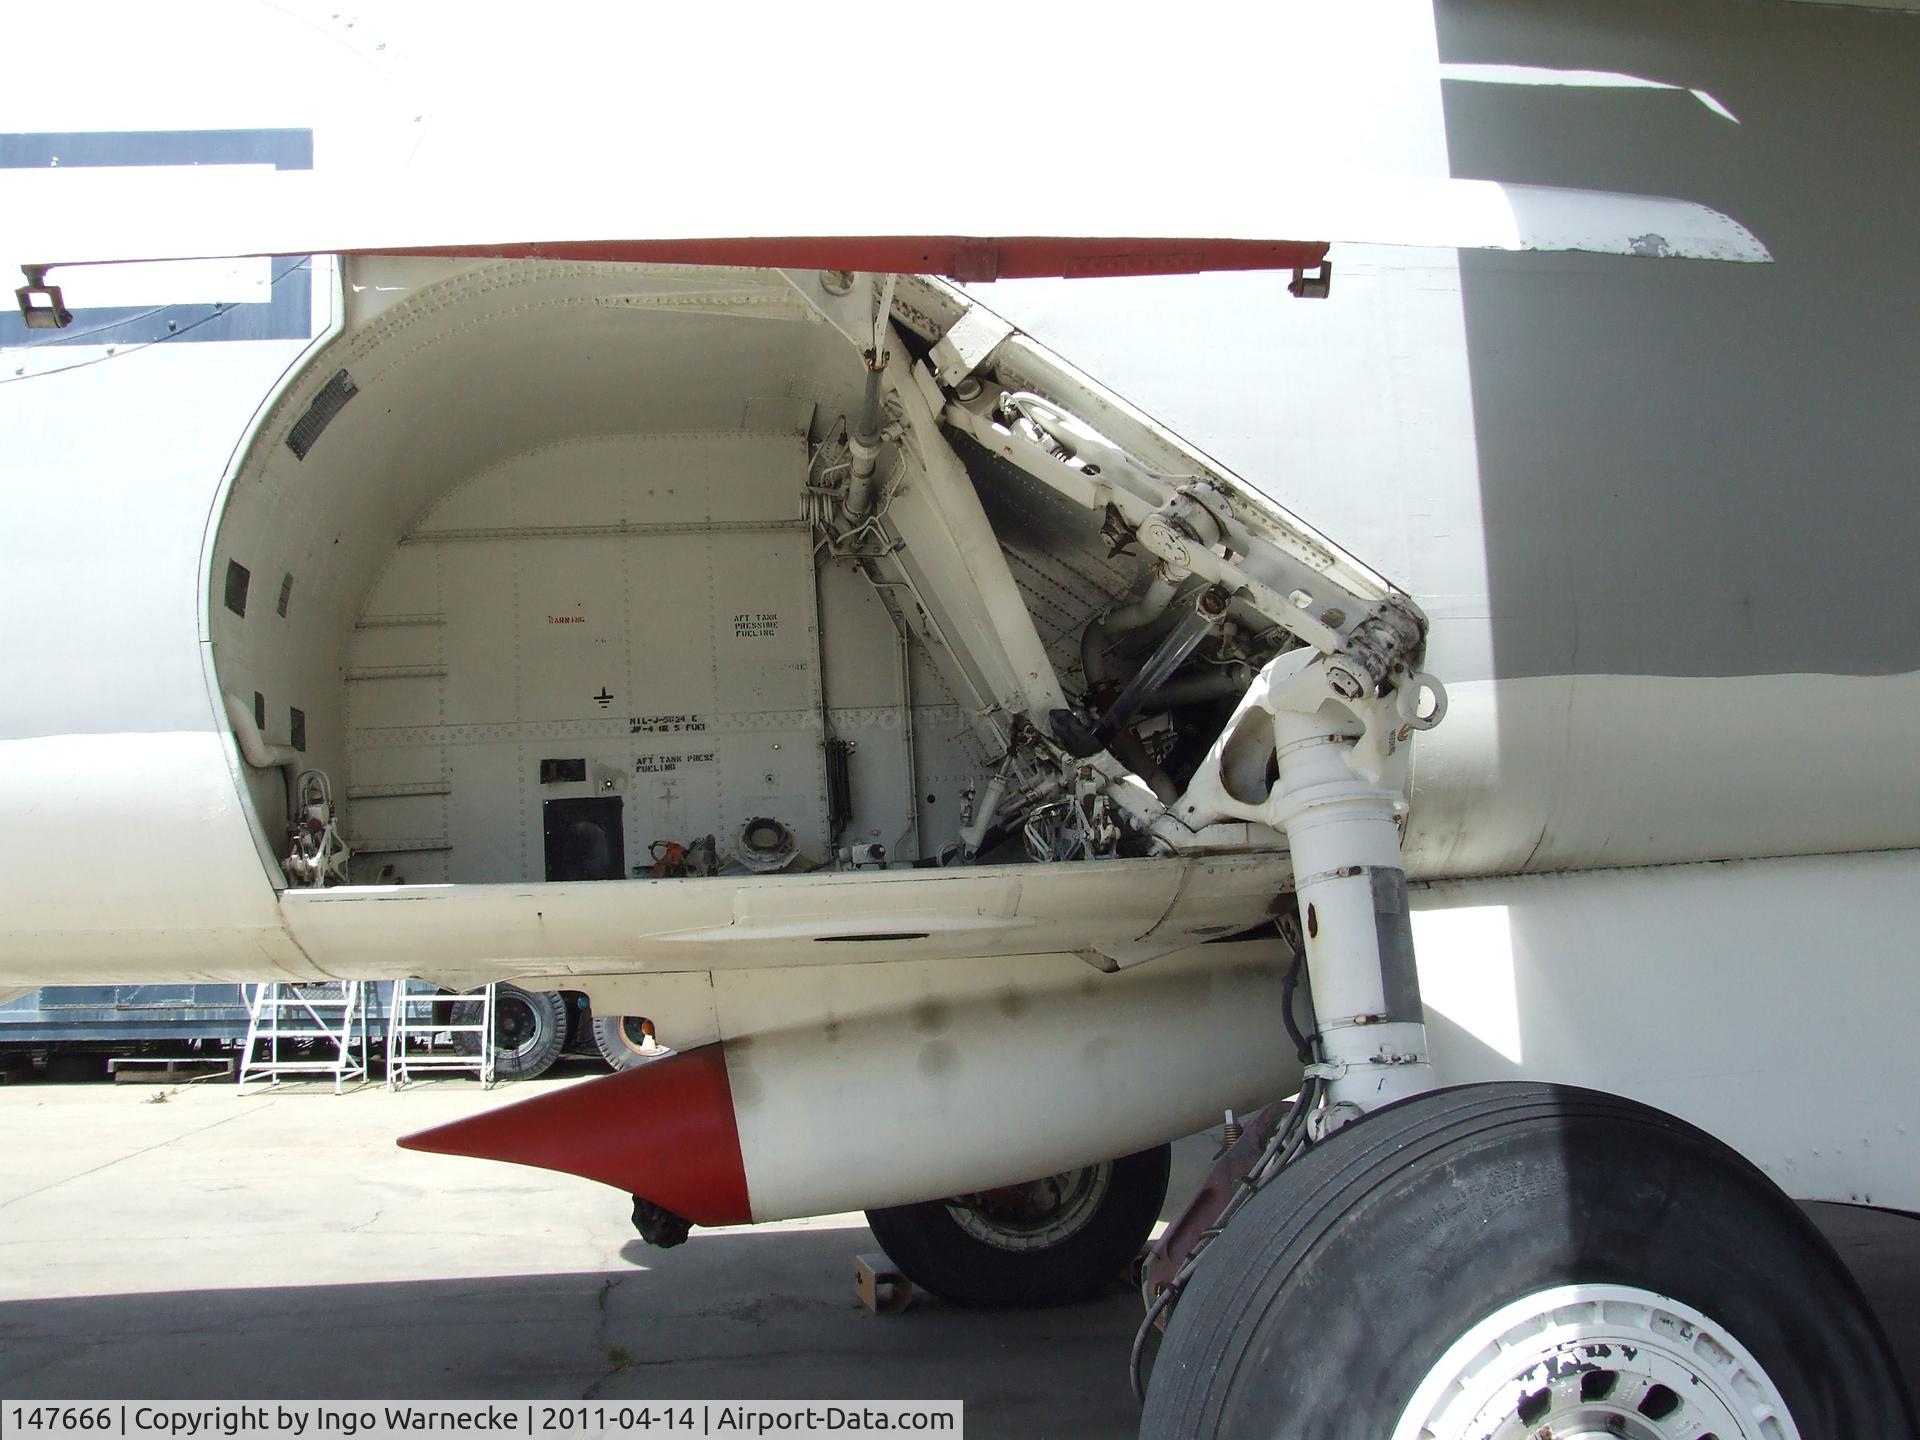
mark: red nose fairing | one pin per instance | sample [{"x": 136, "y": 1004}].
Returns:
[{"x": 664, "y": 1133}]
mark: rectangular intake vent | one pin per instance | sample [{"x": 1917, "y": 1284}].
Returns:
[
  {"x": 238, "y": 578},
  {"x": 839, "y": 785},
  {"x": 297, "y": 728},
  {"x": 286, "y": 595},
  {"x": 331, "y": 400}
]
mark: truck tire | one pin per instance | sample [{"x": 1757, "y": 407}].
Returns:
[
  {"x": 1049, "y": 1242},
  {"x": 529, "y": 1030},
  {"x": 1522, "y": 1259}
]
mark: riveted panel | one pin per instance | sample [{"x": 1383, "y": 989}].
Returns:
[{"x": 641, "y": 605}]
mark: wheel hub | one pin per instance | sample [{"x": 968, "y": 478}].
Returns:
[
  {"x": 1035, "y": 1215},
  {"x": 1596, "y": 1362},
  {"x": 514, "y": 1027}
]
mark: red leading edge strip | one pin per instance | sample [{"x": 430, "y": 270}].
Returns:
[
  {"x": 664, "y": 1132},
  {"x": 959, "y": 257}
]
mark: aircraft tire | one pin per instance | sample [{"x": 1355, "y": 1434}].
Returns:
[
  {"x": 1527, "y": 1259},
  {"x": 1052, "y": 1242},
  {"x": 529, "y": 1031}
]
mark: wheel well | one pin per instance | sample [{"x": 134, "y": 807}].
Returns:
[{"x": 579, "y": 1020}]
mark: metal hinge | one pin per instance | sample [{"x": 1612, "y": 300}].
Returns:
[
  {"x": 1314, "y": 284},
  {"x": 53, "y": 315}
]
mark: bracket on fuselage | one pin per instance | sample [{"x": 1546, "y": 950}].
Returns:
[{"x": 54, "y": 314}]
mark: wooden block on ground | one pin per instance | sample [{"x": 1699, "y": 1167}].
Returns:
[{"x": 881, "y": 1287}]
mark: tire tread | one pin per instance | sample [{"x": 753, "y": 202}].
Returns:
[{"x": 1214, "y": 1354}]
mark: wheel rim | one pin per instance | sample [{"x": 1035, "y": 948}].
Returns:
[
  {"x": 1037, "y": 1214},
  {"x": 515, "y": 1027},
  {"x": 1597, "y": 1362},
  {"x": 631, "y": 1035}
]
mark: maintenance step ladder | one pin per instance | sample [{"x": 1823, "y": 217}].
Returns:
[
  {"x": 421, "y": 1015},
  {"x": 311, "y": 1028}
]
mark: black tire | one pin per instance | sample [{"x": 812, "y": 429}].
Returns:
[
  {"x": 535, "y": 1028},
  {"x": 1338, "y": 1288},
  {"x": 939, "y": 1245},
  {"x": 462, "y": 1012},
  {"x": 529, "y": 1031},
  {"x": 617, "y": 1038},
  {"x": 579, "y": 1024}
]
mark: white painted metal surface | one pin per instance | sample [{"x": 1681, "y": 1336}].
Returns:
[
  {"x": 642, "y": 604},
  {"x": 1594, "y": 476},
  {"x": 196, "y": 903},
  {"x": 1744, "y": 997},
  {"x": 774, "y": 921},
  {"x": 837, "y": 1068},
  {"x": 1674, "y": 1372}
]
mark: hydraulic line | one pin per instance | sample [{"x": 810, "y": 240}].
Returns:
[
  {"x": 1228, "y": 682},
  {"x": 1172, "y": 651}
]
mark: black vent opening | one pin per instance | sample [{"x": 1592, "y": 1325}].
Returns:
[
  {"x": 297, "y": 728},
  {"x": 286, "y": 594},
  {"x": 839, "y": 785},
  {"x": 331, "y": 400},
  {"x": 585, "y": 838},
  {"x": 259, "y": 712},
  {"x": 238, "y": 578}
]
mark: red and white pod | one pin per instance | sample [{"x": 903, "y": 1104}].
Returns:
[{"x": 849, "y": 1087}]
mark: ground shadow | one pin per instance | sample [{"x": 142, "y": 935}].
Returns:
[
  {"x": 742, "y": 1315},
  {"x": 747, "y": 1315}
]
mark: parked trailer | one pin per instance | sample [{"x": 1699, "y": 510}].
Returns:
[{"x": 531, "y": 1029}]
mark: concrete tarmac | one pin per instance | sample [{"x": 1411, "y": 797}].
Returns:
[{"x": 279, "y": 1245}]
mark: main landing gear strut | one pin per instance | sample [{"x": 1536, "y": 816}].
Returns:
[{"x": 1489, "y": 1262}]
